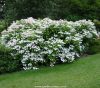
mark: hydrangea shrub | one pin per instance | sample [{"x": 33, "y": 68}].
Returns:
[{"x": 48, "y": 41}]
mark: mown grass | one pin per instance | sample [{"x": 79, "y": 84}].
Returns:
[{"x": 83, "y": 73}]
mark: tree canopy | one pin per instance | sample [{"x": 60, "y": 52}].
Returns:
[{"x": 54, "y": 9}]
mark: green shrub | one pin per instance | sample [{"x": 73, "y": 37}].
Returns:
[
  {"x": 7, "y": 62},
  {"x": 73, "y": 17},
  {"x": 94, "y": 46},
  {"x": 97, "y": 24},
  {"x": 2, "y": 25}
]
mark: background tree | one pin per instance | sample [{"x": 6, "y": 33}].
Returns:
[
  {"x": 2, "y": 3},
  {"x": 55, "y": 9}
]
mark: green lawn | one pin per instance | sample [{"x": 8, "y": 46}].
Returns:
[{"x": 83, "y": 73}]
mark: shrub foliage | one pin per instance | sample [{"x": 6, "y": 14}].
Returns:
[
  {"x": 7, "y": 61},
  {"x": 47, "y": 41}
]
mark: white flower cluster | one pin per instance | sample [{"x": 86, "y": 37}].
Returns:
[{"x": 47, "y": 41}]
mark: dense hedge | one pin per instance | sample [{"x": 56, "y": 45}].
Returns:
[
  {"x": 3, "y": 25},
  {"x": 7, "y": 61},
  {"x": 55, "y": 9},
  {"x": 48, "y": 42},
  {"x": 97, "y": 24},
  {"x": 94, "y": 46}
]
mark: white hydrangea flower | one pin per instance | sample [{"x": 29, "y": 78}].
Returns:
[{"x": 26, "y": 38}]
